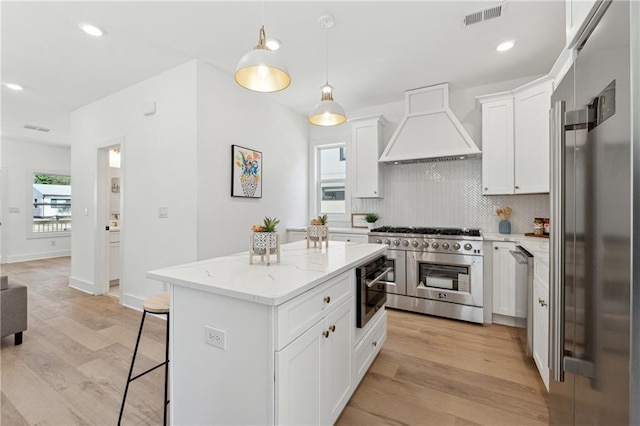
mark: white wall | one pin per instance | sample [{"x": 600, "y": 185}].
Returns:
[
  {"x": 19, "y": 160},
  {"x": 229, "y": 114},
  {"x": 158, "y": 170},
  {"x": 401, "y": 206}
]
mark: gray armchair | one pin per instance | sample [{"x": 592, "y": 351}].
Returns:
[{"x": 13, "y": 310}]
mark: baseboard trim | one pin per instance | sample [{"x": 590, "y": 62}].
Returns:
[
  {"x": 38, "y": 256},
  {"x": 82, "y": 285},
  {"x": 131, "y": 301},
  {"x": 509, "y": 321}
]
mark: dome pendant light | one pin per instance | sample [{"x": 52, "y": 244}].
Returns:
[
  {"x": 261, "y": 69},
  {"x": 327, "y": 112}
]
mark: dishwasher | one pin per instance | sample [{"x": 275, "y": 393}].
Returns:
[{"x": 524, "y": 277}]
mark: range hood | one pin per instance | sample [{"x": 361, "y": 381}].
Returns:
[{"x": 429, "y": 131}]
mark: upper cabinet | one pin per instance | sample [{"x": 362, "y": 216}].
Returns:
[
  {"x": 515, "y": 140},
  {"x": 367, "y": 144},
  {"x": 578, "y": 13}
]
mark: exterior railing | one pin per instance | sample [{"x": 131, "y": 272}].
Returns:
[{"x": 52, "y": 225}]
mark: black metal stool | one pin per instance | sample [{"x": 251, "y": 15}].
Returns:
[{"x": 159, "y": 305}]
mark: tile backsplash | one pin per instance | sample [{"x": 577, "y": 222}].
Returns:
[{"x": 448, "y": 194}]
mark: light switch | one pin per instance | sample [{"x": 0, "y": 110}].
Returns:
[
  {"x": 163, "y": 212},
  {"x": 14, "y": 209}
]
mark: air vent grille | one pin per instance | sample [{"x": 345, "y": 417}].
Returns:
[
  {"x": 485, "y": 14},
  {"x": 34, "y": 127}
]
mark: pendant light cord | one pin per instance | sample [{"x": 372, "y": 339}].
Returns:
[
  {"x": 326, "y": 30},
  {"x": 262, "y": 13}
]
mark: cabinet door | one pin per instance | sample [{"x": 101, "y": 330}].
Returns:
[
  {"x": 504, "y": 279},
  {"x": 354, "y": 238},
  {"x": 296, "y": 236},
  {"x": 541, "y": 329},
  {"x": 531, "y": 147},
  {"x": 338, "y": 360},
  {"x": 299, "y": 379},
  {"x": 497, "y": 147},
  {"x": 366, "y": 147}
]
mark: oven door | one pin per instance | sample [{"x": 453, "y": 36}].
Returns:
[
  {"x": 396, "y": 279},
  {"x": 446, "y": 277},
  {"x": 371, "y": 289}
]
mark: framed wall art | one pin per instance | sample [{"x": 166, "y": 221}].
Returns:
[{"x": 246, "y": 172}]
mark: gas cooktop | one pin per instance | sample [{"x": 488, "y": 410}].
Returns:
[{"x": 464, "y": 232}]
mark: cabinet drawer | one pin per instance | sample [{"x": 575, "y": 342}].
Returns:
[
  {"x": 295, "y": 316},
  {"x": 368, "y": 348},
  {"x": 354, "y": 238},
  {"x": 541, "y": 271}
]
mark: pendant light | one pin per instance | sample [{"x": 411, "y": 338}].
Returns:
[
  {"x": 327, "y": 112},
  {"x": 261, "y": 69}
]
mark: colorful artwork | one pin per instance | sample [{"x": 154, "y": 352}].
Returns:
[{"x": 246, "y": 176}]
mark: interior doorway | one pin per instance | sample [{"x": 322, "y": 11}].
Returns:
[{"x": 109, "y": 219}]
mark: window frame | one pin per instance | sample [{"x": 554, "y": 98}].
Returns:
[
  {"x": 30, "y": 233},
  {"x": 317, "y": 183}
]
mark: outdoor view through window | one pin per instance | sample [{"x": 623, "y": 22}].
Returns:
[
  {"x": 51, "y": 203},
  {"x": 333, "y": 173}
]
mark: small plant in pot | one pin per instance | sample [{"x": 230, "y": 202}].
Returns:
[
  {"x": 318, "y": 228},
  {"x": 265, "y": 234},
  {"x": 371, "y": 219}
]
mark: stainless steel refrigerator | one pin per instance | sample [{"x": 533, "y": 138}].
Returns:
[{"x": 592, "y": 382}]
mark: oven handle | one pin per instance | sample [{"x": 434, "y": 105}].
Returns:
[{"x": 379, "y": 277}]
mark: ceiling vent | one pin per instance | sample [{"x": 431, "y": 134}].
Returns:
[
  {"x": 38, "y": 128},
  {"x": 485, "y": 14}
]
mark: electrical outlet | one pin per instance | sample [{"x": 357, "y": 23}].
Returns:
[
  {"x": 215, "y": 337},
  {"x": 53, "y": 243}
]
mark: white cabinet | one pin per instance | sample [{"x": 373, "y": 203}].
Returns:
[
  {"x": 313, "y": 373},
  {"x": 541, "y": 319},
  {"x": 497, "y": 147},
  {"x": 578, "y": 12},
  {"x": 369, "y": 346},
  {"x": 367, "y": 144},
  {"x": 509, "y": 299},
  {"x": 531, "y": 142},
  {"x": 515, "y": 140},
  {"x": 114, "y": 255}
]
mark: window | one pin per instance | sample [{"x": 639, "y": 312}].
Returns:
[
  {"x": 51, "y": 203},
  {"x": 331, "y": 179}
]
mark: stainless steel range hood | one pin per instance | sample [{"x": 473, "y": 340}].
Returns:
[{"x": 429, "y": 131}]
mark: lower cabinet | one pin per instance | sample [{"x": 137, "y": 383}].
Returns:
[
  {"x": 541, "y": 320},
  {"x": 333, "y": 236},
  {"x": 509, "y": 295},
  {"x": 313, "y": 373}
]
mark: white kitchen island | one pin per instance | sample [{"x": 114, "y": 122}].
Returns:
[{"x": 288, "y": 351}]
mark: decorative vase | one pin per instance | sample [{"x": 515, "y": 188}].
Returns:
[
  {"x": 264, "y": 244},
  {"x": 371, "y": 225},
  {"x": 318, "y": 233},
  {"x": 249, "y": 184},
  {"x": 504, "y": 227},
  {"x": 263, "y": 239}
]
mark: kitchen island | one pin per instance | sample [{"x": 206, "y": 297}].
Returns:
[{"x": 257, "y": 344}]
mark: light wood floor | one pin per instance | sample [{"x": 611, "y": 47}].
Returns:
[{"x": 72, "y": 367}]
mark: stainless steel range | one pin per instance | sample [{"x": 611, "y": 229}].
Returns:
[{"x": 438, "y": 271}]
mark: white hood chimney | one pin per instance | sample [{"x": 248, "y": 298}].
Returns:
[{"x": 428, "y": 131}]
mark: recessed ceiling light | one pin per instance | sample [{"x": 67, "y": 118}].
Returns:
[
  {"x": 92, "y": 30},
  {"x": 273, "y": 44},
  {"x": 13, "y": 86},
  {"x": 503, "y": 47}
]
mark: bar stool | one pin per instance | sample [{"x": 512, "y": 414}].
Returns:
[{"x": 159, "y": 305}]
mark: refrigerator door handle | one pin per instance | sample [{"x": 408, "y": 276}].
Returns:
[{"x": 557, "y": 130}]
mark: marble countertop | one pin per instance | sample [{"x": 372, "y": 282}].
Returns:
[
  {"x": 363, "y": 231},
  {"x": 300, "y": 269},
  {"x": 538, "y": 247}
]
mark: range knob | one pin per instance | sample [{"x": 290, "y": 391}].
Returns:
[
  {"x": 434, "y": 245},
  {"x": 467, "y": 246},
  {"x": 445, "y": 245},
  {"x": 456, "y": 246},
  {"x": 425, "y": 244},
  {"x": 415, "y": 243},
  {"x": 378, "y": 241},
  {"x": 396, "y": 242},
  {"x": 405, "y": 243},
  {"x": 387, "y": 242}
]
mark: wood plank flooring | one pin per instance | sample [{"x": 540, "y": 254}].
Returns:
[{"x": 72, "y": 367}]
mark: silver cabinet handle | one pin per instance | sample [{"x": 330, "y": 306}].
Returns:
[{"x": 379, "y": 277}]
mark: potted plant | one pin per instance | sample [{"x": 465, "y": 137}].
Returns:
[
  {"x": 371, "y": 219},
  {"x": 318, "y": 230},
  {"x": 264, "y": 236}
]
